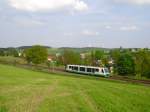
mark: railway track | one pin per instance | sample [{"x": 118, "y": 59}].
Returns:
[
  {"x": 121, "y": 78},
  {"x": 130, "y": 80}
]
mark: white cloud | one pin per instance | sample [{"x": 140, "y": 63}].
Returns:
[
  {"x": 108, "y": 27},
  {"x": 48, "y": 5},
  {"x": 80, "y": 6},
  {"x": 90, "y": 33},
  {"x": 129, "y": 28},
  {"x": 138, "y": 2}
]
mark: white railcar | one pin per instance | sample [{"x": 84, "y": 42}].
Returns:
[{"x": 102, "y": 71}]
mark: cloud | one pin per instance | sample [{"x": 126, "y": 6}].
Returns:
[
  {"x": 108, "y": 27},
  {"x": 129, "y": 28},
  {"x": 90, "y": 33},
  {"x": 48, "y": 5},
  {"x": 137, "y": 2},
  {"x": 80, "y": 6}
]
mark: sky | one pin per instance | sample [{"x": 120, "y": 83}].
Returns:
[{"x": 75, "y": 23}]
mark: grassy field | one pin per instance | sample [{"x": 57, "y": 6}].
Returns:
[{"x": 29, "y": 91}]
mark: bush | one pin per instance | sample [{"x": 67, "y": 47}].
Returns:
[{"x": 125, "y": 65}]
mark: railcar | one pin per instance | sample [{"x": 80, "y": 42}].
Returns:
[{"x": 101, "y": 71}]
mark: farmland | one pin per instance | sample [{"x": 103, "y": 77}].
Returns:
[{"x": 23, "y": 90}]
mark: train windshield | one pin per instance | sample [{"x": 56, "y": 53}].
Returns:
[{"x": 106, "y": 70}]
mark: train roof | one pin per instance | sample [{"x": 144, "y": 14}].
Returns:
[{"x": 85, "y": 66}]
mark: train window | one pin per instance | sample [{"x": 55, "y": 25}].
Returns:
[
  {"x": 89, "y": 70},
  {"x": 106, "y": 70},
  {"x": 75, "y": 68},
  {"x": 102, "y": 71},
  {"x": 82, "y": 69},
  {"x": 70, "y": 67},
  {"x": 93, "y": 70},
  {"x": 96, "y": 70}
]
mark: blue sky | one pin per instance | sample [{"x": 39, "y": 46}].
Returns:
[{"x": 75, "y": 23}]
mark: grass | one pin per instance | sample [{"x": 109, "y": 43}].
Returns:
[
  {"x": 12, "y": 60},
  {"x": 29, "y": 91}
]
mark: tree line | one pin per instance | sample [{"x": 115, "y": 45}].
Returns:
[
  {"x": 124, "y": 62},
  {"x": 9, "y": 52},
  {"x": 128, "y": 63}
]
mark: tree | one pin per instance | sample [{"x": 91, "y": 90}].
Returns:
[
  {"x": 11, "y": 52},
  {"x": 125, "y": 65},
  {"x": 36, "y": 54},
  {"x": 142, "y": 63},
  {"x": 70, "y": 57},
  {"x": 92, "y": 57},
  {"x": 14, "y": 53},
  {"x": 88, "y": 60},
  {"x": 105, "y": 61},
  {"x": 115, "y": 54},
  {"x": 96, "y": 57},
  {"x": 2, "y": 53},
  {"x": 99, "y": 54}
]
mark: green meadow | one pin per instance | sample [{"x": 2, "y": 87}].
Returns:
[{"x": 24, "y": 90}]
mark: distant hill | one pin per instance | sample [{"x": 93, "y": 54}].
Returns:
[
  {"x": 25, "y": 47},
  {"x": 78, "y": 50},
  {"x": 61, "y": 49},
  {"x": 84, "y": 49}
]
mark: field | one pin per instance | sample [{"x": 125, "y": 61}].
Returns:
[{"x": 30, "y": 91}]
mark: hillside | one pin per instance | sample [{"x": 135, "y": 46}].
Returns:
[
  {"x": 29, "y": 91},
  {"x": 78, "y": 50}
]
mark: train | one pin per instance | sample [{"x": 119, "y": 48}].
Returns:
[{"x": 91, "y": 70}]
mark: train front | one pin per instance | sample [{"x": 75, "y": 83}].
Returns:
[{"x": 106, "y": 72}]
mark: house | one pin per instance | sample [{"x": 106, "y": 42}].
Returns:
[{"x": 50, "y": 58}]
